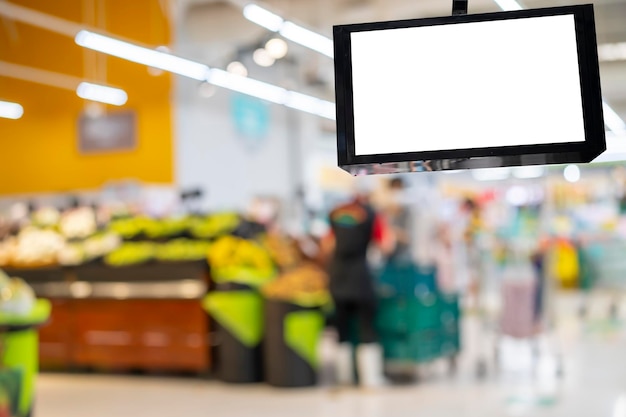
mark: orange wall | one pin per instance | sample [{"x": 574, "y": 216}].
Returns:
[{"x": 39, "y": 152}]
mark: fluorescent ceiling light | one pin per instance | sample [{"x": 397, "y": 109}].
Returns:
[
  {"x": 101, "y": 93},
  {"x": 310, "y": 104},
  {"x": 10, "y": 110},
  {"x": 141, "y": 55},
  {"x": 612, "y": 51},
  {"x": 612, "y": 119},
  {"x": 247, "y": 86},
  {"x": 508, "y": 5},
  {"x": 198, "y": 71},
  {"x": 263, "y": 17},
  {"x": 272, "y": 93},
  {"x": 308, "y": 38},
  {"x": 289, "y": 30}
]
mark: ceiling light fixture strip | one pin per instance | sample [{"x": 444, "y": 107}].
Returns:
[
  {"x": 10, "y": 110},
  {"x": 290, "y": 30},
  {"x": 201, "y": 72}
]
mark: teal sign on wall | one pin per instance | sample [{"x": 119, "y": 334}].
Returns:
[{"x": 251, "y": 118}]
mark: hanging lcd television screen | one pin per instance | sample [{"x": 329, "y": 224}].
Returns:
[{"x": 469, "y": 91}]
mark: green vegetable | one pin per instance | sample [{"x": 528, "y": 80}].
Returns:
[
  {"x": 128, "y": 227},
  {"x": 214, "y": 225},
  {"x": 243, "y": 275},
  {"x": 131, "y": 253},
  {"x": 158, "y": 228},
  {"x": 182, "y": 250}
]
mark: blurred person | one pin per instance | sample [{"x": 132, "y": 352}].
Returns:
[
  {"x": 399, "y": 218},
  {"x": 354, "y": 226},
  {"x": 444, "y": 260},
  {"x": 471, "y": 218}
]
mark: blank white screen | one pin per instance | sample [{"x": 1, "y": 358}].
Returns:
[{"x": 471, "y": 85}]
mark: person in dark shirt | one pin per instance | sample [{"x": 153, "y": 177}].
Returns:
[{"x": 354, "y": 226}]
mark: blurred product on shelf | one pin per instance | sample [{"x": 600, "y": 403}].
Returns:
[
  {"x": 131, "y": 253},
  {"x": 128, "y": 227},
  {"x": 49, "y": 237},
  {"x": 31, "y": 248},
  {"x": 234, "y": 259},
  {"x": 213, "y": 226},
  {"x": 16, "y": 296},
  {"x": 71, "y": 254},
  {"x": 78, "y": 223},
  {"x": 282, "y": 249},
  {"x": 150, "y": 228},
  {"x": 100, "y": 244},
  {"x": 564, "y": 265},
  {"x": 182, "y": 250},
  {"x": 165, "y": 228},
  {"x": 46, "y": 217},
  {"x": 305, "y": 285}
]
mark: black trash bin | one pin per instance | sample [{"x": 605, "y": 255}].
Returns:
[{"x": 284, "y": 366}]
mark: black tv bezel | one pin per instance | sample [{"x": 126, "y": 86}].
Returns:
[{"x": 557, "y": 153}]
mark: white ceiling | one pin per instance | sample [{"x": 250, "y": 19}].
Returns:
[{"x": 216, "y": 29}]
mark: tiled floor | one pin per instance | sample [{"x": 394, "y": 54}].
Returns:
[{"x": 593, "y": 385}]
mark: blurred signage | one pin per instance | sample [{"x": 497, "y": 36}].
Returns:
[
  {"x": 251, "y": 118},
  {"x": 106, "y": 133}
]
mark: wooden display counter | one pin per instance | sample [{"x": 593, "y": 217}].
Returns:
[{"x": 138, "y": 318}]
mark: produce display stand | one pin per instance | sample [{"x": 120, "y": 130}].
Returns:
[
  {"x": 290, "y": 346},
  {"x": 152, "y": 271},
  {"x": 239, "y": 325},
  {"x": 38, "y": 275},
  {"x": 416, "y": 323},
  {"x": 18, "y": 334},
  {"x": 141, "y": 317}
]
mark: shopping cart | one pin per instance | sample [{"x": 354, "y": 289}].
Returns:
[
  {"x": 417, "y": 324},
  {"x": 525, "y": 313}
]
